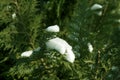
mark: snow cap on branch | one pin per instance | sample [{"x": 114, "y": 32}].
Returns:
[
  {"x": 96, "y": 6},
  {"x": 54, "y": 28},
  {"x": 27, "y": 53}
]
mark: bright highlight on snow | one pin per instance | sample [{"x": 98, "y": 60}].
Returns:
[
  {"x": 96, "y": 6},
  {"x": 62, "y": 47},
  {"x": 27, "y": 53},
  {"x": 54, "y": 28},
  {"x": 90, "y": 47}
]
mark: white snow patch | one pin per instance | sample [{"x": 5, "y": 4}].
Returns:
[
  {"x": 96, "y": 6},
  {"x": 53, "y": 44},
  {"x": 14, "y": 15},
  {"x": 90, "y": 47},
  {"x": 54, "y": 28},
  {"x": 69, "y": 55},
  {"x": 63, "y": 42},
  {"x": 99, "y": 13},
  {"x": 62, "y": 47},
  {"x": 27, "y": 53}
]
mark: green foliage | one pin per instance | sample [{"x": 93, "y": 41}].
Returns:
[{"x": 79, "y": 26}]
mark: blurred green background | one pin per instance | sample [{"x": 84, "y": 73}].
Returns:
[{"x": 22, "y": 24}]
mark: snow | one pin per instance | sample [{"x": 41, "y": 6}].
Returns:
[
  {"x": 90, "y": 47},
  {"x": 54, "y": 28},
  {"x": 96, "y": 6},
  {"x": 63, "y": 42},
  {"x": 99, "y": 13},
  {"x": 55, "y": 44},
  {"x": 27, "y": 53},
  {"x": 62, "y": 47},
  {"x": 14, "y": 15},
  {"x": 69, "y": 55},
  {"x": 59, "y": 45}
]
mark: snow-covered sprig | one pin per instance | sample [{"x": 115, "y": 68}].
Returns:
[{"x": 57, "y": 44}]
